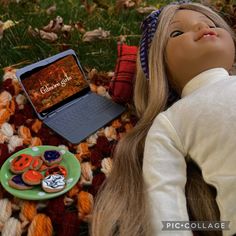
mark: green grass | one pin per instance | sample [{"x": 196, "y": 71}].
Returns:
[{"x": 18, "y": 46}]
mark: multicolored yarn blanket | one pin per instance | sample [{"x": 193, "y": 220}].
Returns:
[{"x": 70, "y": 213}]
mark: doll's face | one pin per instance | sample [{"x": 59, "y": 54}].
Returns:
[{"x": 194, "y": 45}]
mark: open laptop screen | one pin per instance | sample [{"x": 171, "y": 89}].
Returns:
[{"x": 51, "y": 86}]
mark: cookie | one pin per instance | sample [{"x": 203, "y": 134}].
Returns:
[
  {"x": 36, "y": 163},
  {"x": 17, "y": 182},
  {"x": 43, "y": 167},
  {"x": 32, "y": 177},
  {"x": 21, "y": 163},
  {"x": 56, "y": 169},
  {"x": 51, "y": 157},
  {"x": 53, "y": 183}
]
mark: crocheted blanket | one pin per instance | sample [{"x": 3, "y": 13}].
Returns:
[{"x": 70, "y": 213}]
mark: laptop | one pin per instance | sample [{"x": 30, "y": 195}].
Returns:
[{"x": 60, "y": 95}]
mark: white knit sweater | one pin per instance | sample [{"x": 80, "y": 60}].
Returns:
[{"x": 202, "y": 124}]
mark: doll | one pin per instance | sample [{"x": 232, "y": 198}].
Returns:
[{"x": 188, "y": 48}]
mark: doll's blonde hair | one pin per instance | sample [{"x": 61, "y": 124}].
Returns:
[{"x": 121, "y": 206}]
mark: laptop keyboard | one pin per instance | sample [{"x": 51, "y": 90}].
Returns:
[
  {"x": 84, "y": 117},
  {"x": 83, "y": 110}
]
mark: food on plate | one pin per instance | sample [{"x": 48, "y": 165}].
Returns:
[
  {"x": 51, "y": 157},
  {"x": 32, "y": 177},
  {"x": 36, "y": 163},
  {"x": 21, "y": 163},
  {"x": 56, "y": 169},
  {"x": 17, "y": 182},
  {"x": 53, "y": 183}
]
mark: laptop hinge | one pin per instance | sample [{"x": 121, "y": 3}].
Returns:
[{"x": 51, "y": 114}]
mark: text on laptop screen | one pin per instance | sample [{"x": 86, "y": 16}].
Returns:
[{"x": 54, "y": 83}]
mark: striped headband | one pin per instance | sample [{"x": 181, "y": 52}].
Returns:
[{"x": 148, "y": 27}]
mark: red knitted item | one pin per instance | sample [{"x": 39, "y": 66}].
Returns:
[
  {"x": 97, "y": 181},
  {"x": 96, "y": 158},
  {"x": 56, "y": 210},
  {"x": 4, "y": 153},
  {"x": 71, "y": 224}
]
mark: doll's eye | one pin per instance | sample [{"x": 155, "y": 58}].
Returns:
[{"x": 176, "y": 33}]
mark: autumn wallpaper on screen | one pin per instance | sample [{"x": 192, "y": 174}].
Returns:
[{"x": 54, "y": 83}]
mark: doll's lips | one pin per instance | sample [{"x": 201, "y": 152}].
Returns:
[{"x": 206, "y": 33}]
